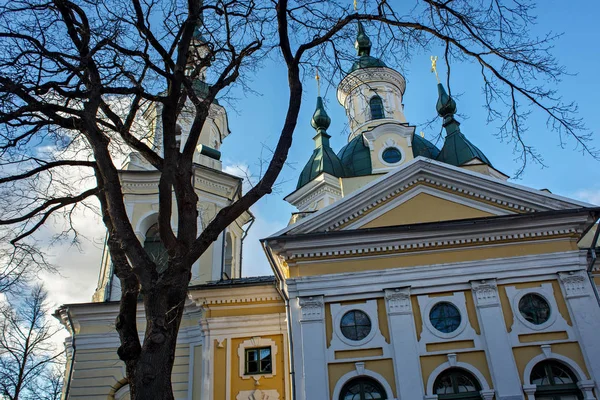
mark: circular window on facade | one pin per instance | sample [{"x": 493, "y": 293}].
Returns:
[
  {"x": 355, "y": 325},
  {"x": 391, "y": 155},
  {"x": 534, "y": 308},
  {"x": 445, "y": 317}
]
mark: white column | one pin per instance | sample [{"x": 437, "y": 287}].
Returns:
[
  {"x": 314, "y": 364},
  {"x": 585, "y": 312},
  {"x": 498, "y": 349},
  {"x": 407, "y": 366}
]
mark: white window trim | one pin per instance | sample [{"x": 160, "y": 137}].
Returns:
[
  {"x": 257, "y": 342},
  {"x": 547, "y": 293},
  {"x": 359, "y": 371},
  {"x": 486, "y": 392},
  {"x": 391, "y": 143},
  {"x": 369, "y": 308},
  {"x": 460, "y": 305}
]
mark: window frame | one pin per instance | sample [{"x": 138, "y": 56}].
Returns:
[
  {"x": 355, "y": 326},
  {"x": 552, "y": 389},
  {"x": 377, "y": 101},
  {"x": 260, "y": 371},
  {"x": 453, "y": 372},
  {"x": 450, "y": 305}
]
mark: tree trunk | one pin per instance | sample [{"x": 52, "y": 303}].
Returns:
[{"x": 164, "y": 306}]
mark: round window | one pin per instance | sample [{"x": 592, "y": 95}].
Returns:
[
  {"x": 355, "y": 325},
  {"x": 445, "y": 317},
  {"x": 391, "y": 155},
  {"x": 534, "y": 308}
]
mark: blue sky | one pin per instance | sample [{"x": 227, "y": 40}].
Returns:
[{"x": 258, "y": 120}]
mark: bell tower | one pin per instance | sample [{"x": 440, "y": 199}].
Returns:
[{"x": 215, "y": 190}]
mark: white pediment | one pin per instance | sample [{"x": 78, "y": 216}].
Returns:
[{"x": 441, "y": 182}]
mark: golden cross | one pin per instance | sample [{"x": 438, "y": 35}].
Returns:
[
  {"x": 318, "y": 78},
  {"x": 422, "y": 134},
  {"x": 434, "y": 67},
  {"x": 355, "y": 5}
]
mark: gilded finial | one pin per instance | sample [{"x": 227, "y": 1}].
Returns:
[
  {"x": 434, "y": 67},
  {"x": 318, "y": 79},
  {"x": 422, "y": 134},
  {"x": 355, "y": 5}
]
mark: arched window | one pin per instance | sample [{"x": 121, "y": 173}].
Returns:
[
  {"x": 457, "y": 383},
  {"x": 554, "y": 381},
  {"x": 376, "y": 105},
  {"x": 155, "y": 249},
  {"x": 362, "y": 388}
]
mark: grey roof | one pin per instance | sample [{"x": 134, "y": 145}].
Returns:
[{"x": 251, "y": 280}]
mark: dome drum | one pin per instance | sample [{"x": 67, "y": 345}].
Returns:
[{"x": 367, "y": 76}]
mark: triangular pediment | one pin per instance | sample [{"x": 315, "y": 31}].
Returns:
[{"x": 423, "y": 190}]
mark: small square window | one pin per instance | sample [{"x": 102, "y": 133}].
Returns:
[{"x": 258, "y": 361}]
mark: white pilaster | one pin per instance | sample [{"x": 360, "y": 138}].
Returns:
[
  {"x": 312, "y": 328},
  {"x": 498, "y": 349},
  {"x": 585, "y": 311},
  {"x": 407, "y": 367}
]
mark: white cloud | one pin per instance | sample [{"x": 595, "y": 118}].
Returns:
[
  {"x": 588, "y": 195},
  {"x": 241, "y": 170}
]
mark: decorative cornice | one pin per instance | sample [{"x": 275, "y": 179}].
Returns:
[
  {"x": 366, "y": 75},
  {"x": 311, "y": 308},
  {"x": 574, "y": 284},
  {"x": 486, "y": 293},
  {"x": 438, "y": 244},
  {"x": 398, "y": 301}
]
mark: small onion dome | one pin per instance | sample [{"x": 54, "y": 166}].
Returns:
[
  {"x": 323, "y": 158},
  {"x": 356, "y": 157},
  {"x": 197, "y": 35},
  {"x": 363, "y": 49},
  {"x": 457, "y": 149},
  {"x": 363, "y": 43},
  {"x": 446, "y": 106},
  {"x": 424, "y": 148},
  {"x": 320, "y": 120}
]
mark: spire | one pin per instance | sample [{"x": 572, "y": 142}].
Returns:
[
  {"x": 323, "y": 159},
  {"x": 320, "y": 120},
  {"x": 363, "y": 43},
  {"x": 446, "y": 108},
  {"x": 457, "y": 149}
]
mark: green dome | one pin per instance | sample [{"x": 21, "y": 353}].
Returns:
[
  {"x": 356, "y": 157},
  {"x": 424, "y": 148},
  {"x": 323, "y": 158},
  {"x": 367, "y": 62},
  {"x": 446, "y": 106}
]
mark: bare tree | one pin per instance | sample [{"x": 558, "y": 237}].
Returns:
[
  {"x": 77, "y": 74},
  {"x": 28, "y": 357}
]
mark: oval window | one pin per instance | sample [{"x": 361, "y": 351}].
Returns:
[
  {"x": 355, "y": 325},
  {"x": 391, "y": 155},
  {"x": 534, "y": 308},
  {"x": 445, "y": 317}
]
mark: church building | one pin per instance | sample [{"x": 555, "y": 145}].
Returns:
[{"x": 408, "y": 272}]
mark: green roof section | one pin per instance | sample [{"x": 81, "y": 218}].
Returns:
[
  {"x": 323, "y": 158},
  {"x": 457, "y": 149},
  {"x": 356, "y": 157},
  {"x": 424, "y": 148}
]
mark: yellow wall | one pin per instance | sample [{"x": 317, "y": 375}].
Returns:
[
  {"x": 277, "y": 382},
  {"x": 425, "y": 208}
]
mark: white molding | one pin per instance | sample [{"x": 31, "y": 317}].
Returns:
[
  {"x": 575, "y": 284},
  {"x": 431, "y": 278},
  {"x": 430, "y": 334},
  {"x": 258, "y": 394},
  {"x": 455, "y": 364},
  {"x": 549, "y": 355},
  {"x": 122, "y": 392},
  {"x": 363, "y": 372},
  {"x": 256, "y": 342},
  {"x": 339, "y": 341},
  {"x": 312, "y": 309}
]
